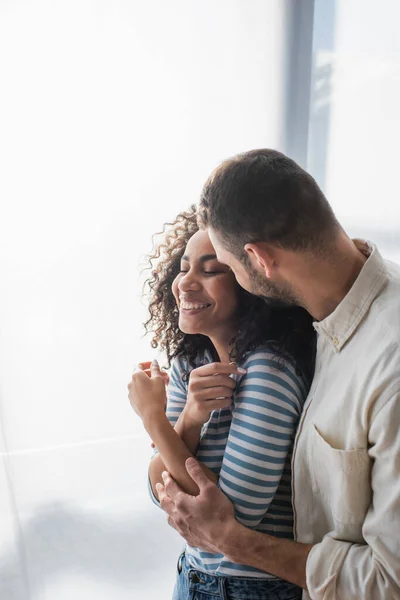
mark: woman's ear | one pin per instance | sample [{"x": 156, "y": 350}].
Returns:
[{"x": 261, "y": 256}]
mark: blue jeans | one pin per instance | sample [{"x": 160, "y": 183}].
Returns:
[{"x": 196, "y": 585}]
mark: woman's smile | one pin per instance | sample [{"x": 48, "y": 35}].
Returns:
[
  {"x": 192, "y": 306},
  {"x": 205, "y": 291}
]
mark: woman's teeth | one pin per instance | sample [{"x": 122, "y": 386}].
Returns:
[{"x": 193, "y": 305}]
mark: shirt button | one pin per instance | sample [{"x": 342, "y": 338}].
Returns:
[{"x": 335, "y": 341}]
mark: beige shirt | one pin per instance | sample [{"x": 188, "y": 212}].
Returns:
[{"x": 346, "y": 460}]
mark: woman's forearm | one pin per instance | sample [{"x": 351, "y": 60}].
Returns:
[
  {"x": 188, "y": 431},
  {"x": 173, "y": 453}
]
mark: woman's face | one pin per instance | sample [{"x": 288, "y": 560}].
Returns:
[{"x": 205, "y": 291}]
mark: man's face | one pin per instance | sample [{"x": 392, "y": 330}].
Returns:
[{"x": 252, "y": 279}]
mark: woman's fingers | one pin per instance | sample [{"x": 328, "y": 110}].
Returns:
[
  {"x": 213, "y": 381},
  {"x": 155, "y": 368},
  {"x": 217, "y": 404},
  {"x": 214, "y": 392},
  {"x": 163, "y": 374},
  {"x": 219, "y": 368},
  {"x": 146, "y": 367}
]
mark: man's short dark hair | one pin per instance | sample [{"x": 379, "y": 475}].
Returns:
[{"x": 263, "y": 195}]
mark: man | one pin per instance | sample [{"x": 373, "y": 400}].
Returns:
[{"x": 269, "y": 221}]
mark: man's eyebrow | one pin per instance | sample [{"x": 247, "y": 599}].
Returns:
[{"x": 204, "y": 258}]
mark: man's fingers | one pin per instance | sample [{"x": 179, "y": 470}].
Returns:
[
  {"x": 197, "y": 474},
  {"x": 171, "y": 522},
  {"x": 172, "y": 488},
  {"x": 165, "y": 501}
]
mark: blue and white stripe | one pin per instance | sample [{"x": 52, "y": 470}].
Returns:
[{"x": 249, "y": 445}]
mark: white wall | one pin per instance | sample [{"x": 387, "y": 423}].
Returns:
[{"x": 112, "y": 115}]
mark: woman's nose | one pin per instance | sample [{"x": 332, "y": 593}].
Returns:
[{"x": 188, "y": 282}]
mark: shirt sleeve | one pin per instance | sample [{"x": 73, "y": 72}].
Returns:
[
  {"x": 176, "y": 391},
  {"x": 267, "y": 407},
  {"x": 176, "y": 400},
  {"x": 341, "y": 570}
]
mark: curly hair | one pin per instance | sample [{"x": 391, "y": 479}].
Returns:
[{"x": 289, "y": 332}]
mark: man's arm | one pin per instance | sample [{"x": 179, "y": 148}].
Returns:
[
  {"x": 281, "y": 557},
  {"x": 332, "y": 568},
  {"x": 207, "y": 521}
]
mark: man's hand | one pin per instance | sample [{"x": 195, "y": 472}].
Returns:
[
  {"x": 203, "y": 520},
  {"x": 207, "y": 521},
  {"x": 147, "y": 394}
]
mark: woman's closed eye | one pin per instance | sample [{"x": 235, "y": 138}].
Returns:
[{"x": 213, "y": 272}]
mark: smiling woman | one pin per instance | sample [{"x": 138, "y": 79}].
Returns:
[
  {"x": 180, "y": 272},
  {"x": 240, "y": 374},
  {"x": 205, "y": 291}
]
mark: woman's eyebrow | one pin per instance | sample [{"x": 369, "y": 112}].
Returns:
[{"x": 204, "y": 258}]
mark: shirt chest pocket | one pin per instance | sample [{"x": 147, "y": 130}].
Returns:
[{"x": 342, "y": 479}]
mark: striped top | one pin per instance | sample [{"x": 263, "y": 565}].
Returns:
[{"x": 249, "y": 445}]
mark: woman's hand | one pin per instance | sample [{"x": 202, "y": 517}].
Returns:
[
  {"x": 210, "y": 388},
  {"x": 147, "y": 393},
  {"x": 146, "y": 366}
]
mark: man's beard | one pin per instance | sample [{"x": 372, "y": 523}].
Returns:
[{"x": 276, "y": 297}]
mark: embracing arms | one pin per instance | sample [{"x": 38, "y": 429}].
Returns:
[
  {"x": 268, "y": 402},
  {"x": 207, "y": 521},
  {"x": 332, "y": 568}
]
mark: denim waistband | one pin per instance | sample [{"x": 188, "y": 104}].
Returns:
[{"x": 237, "y": 588}]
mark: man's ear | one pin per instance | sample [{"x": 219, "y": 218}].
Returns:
[{"x": 261, "y": 256}]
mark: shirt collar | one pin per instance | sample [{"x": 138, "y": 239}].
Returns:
[{"x": 340, "y": 325}]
